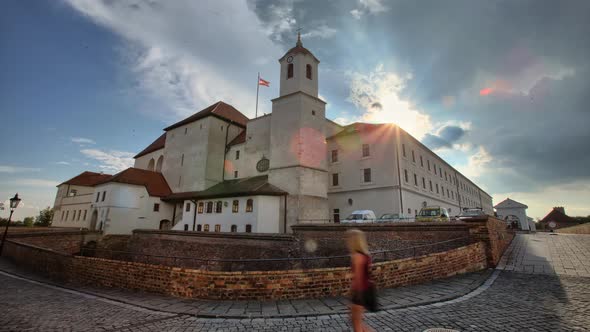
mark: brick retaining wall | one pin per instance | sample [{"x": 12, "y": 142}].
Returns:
[
  {"x": 253, "y": 285},
  {"x": 65, "y": 241},
  {"x": 495, "y": 234}
]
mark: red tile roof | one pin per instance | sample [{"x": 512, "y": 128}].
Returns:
[
  {"x": 88, "y": 179},
  {"x": 241, "y": 138},
  {"x": 220, "y": 110},
  {"x": 156, "y": 145},
  {"x": 154, "y": 182},
  {"x": 558, "y": 216}
]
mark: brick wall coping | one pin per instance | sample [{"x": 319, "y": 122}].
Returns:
[
  {"x": 51, "y": 233},
  {"x": 37, "y": 248},
  {"x": 250, "y": 236},
  {"x": 398, "y": 226}
]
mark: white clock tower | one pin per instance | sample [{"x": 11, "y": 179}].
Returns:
[{"x": 297, "y": 139}]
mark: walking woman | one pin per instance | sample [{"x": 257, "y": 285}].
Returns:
[{"x": 362, "y": 290}]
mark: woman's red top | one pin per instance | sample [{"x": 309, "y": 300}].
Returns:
[{"x": 364, "y": 273}]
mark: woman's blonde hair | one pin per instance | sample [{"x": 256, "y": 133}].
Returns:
[{"x": 357, "y": 242}]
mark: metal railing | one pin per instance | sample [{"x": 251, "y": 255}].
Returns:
[{"x": 269, "y": 264}]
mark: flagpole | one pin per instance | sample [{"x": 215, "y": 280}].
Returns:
[{"x": 257, "y": 88}]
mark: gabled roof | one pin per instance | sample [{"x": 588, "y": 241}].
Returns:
[
  {"x": 154, "y": 182},
  {"x": 158, "y": 144},
  {"x": 257, "y": 185},
  {"x": 219, "y": 110},
  {"x": 509, "y": 203},
  {"x": 241, "y": 138},
  {"x": 88, "y": 179},
  {"x": 557, "y": 216}
]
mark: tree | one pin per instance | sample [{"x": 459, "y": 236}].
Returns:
[
  {"x": 28, "y": 221},
  {"x": 44, "y": 218}
]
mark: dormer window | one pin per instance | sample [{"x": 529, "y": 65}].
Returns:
[
  {"x": 290, "y": 70},
  {"x": 308, "y": 71}
]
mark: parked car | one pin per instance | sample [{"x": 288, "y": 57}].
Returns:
[
  {"x": 433, "y": 213},
  {"x": 360, "y": 216},
  {"x": 392, "y": 217},
  {"x": 471, "y": 214}
]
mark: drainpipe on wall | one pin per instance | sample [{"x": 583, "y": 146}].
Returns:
[{"x": 173, "y": 214}]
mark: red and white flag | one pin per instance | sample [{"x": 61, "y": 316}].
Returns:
[{"x": 263, "y": 82}]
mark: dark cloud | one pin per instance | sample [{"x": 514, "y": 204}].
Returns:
[
  {"x": 377, "y": 105},
  {"x": 445, "y": 138}
]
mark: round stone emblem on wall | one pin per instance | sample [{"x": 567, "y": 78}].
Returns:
[{"x": 263, "y": 164}]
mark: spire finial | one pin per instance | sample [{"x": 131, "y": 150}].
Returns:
[{"x": 299, "y": 43}]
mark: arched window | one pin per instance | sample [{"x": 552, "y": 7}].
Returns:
[
  {"x": 151, "y": 165},
  {"x": 206, "y": 228},
  {"x": 235, "y": 208},
  {"x": 199, "y": 227},
  {"x": 200, "y": 208},
  {"x": 218, "y": 228},
  {"x": 218, "y": 206},
  {"x": 308, "y": 71},
  {"x": 209, "y": 207},
  {"x": 249, "y": 205},
  {"x": 290, "y": 70},
  {"x": 248, "y": 228},
  {"x": 234, "y": 228},
  {"x": 186, "y": 227},
  {"x": 159, "y": 164}
]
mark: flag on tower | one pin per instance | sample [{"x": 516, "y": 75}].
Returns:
[{"x": 263, "y": 82}]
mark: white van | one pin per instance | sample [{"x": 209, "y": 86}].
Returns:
[{"x": 360, "y": 216}]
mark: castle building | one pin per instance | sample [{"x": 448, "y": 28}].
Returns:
[{"x": 218, "y": 170}]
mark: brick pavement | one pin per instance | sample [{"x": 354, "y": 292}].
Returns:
[{"x": 546, "y": 253}]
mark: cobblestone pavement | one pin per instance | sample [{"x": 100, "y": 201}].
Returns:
[
  {"x": 435, "y": 291},
  {"x": 548, "y": 253}
]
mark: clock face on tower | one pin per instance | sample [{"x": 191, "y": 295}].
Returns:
[{"x": 289, "y": 59}]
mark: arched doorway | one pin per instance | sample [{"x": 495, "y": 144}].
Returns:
[
  {"x": 93, "y": 220},
  {"x": 512, "y": 221},
  {"x": 165, "y": 224}
]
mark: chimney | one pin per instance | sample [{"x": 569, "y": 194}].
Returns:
[{"x": 560, "y": 209}]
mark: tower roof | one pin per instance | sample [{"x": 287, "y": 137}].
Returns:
[{"x": 299, "y": 49}]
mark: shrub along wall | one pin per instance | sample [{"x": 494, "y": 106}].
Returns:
[{"x": 255, "y": 285}]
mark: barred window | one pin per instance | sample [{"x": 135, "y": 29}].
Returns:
[
  {"x": 249, "y": 205},
  {"x": 235, "y": 207},
  {"x": 209, "y": 208},
  {"x": 218, "y": 206},
  {"x": 200, "y": 207}
]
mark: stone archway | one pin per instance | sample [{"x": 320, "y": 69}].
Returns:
[
  {"x": 93, "y": 220},
  {"x": 165, "y": 224},
  {"x": 513, "y": 221}
]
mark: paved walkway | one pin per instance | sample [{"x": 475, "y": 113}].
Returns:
[
  {"x": 548, "y": 253},
  {"x": 395, "y": 298}
]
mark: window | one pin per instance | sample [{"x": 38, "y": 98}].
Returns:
[
  {"x": 406, "y": 175},
  {"x": 367, "y": 175},
  {"x": 97, "y": 196},
  {"x": 423, "y": 183},
  {"x": 67, "y": 214},
  {"x": 206, "y": 227},
  {"x": 156, "y": 207},
  {"x": 235, "y": 174},
  {"x": 434, "y": 165},
  {"x": 440, "y": 172},
  {"x": 446, "y": 179},
  {"x": 199, "y": 227},
  {"x": 185, "y": 130},
  {"x": 182, "y": 160},
  {"x": 237, "y": 154},
  {"x": 452, "y": 194},
  {"x": 337, "y": 216},
  {"x": 218, "y": 206},
  {"x": 85, "y": 214},
  {"x": 421, "y": 161},
  {"x": 235, "y": 206},
  {"x": 404, "y": 149},
  {"x": 234, "y": 228},
  {"x": 73, "y": 192},
  {"x": 442, "y": 189},
  {"x": 409, "y": 211},
  {"x": 221, "y": 128},
  {"x": 366, "y": 150},
  {"x": 413, "y": 156},
  {"x": 62, "y": 215},
  {"x": 308, "y": 71},
  {"x": 249, "y": 205},
  {"x": 290, "y": 71},
  {"x": 430, "y": 184},
  {"x": 312, "y": 112},
  {"x": 428, "y": 163},
  {"x": 186, "y": 225},
  {"x": 74, "y": 215},
  {"x": 248, "y": 228},
  {"x": 335, "y": 179},
  {"x": 218, "y": 228},
  {"x": 209, "y": 207},
  {"x": 334, "y": 156},
  {"x": 200, "y": 207},
  {"x": 437, "y": 188},
  {"x": 187, "y": 207},
  {"x": 415, "y": 179},
  {"x": 104, "y": 193},
  {"x": 79, "y": 215},
  {"x": 448, "y": 195}
]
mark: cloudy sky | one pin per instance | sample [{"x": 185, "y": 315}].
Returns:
[{"x": 500, "y": 89}]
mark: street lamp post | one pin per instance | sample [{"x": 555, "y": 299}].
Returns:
[{"x": 13, "y": 204}]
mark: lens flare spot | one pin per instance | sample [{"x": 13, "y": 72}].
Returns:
[{"x": 486, "y": 91}]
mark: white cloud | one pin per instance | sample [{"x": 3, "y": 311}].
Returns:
[
  {"x": 62, "y": 163},
  {"x": 477, "y": 164},
  {"x": 17, "y": 169},
  {"x": 82, "y": 140},
  {"x": 378, "y": 93},
  {"x": 323, "y": 31},
  {"x": 190, "y": 54},
  {"x": 112, "y": 160},
  {"x": 356, "y": 14},
  {"x": 29, "y": 182},
  {"x": 368, "y": 6}
]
